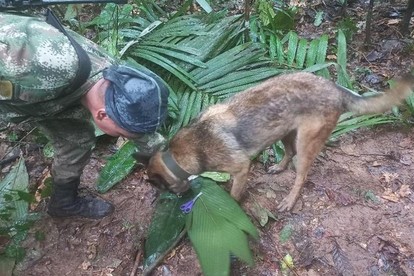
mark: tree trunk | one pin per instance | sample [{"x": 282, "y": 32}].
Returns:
[
  {"x": 247, "y": 9},
  {"x": 405, "y": 23},
  {"x": 368, "y": 23}
]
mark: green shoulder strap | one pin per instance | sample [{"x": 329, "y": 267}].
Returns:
[{"x": 84, "y": 68}]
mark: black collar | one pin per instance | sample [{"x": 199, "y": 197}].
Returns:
[{"x": 172, "y": 165}]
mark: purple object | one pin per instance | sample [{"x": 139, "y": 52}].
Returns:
[{"x": 188, "y": 206}]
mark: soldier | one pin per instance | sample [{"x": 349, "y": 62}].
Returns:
[{"x": 61, "y": 82}]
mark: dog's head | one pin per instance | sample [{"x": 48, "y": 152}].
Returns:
[{"x": 160, "y": 176}]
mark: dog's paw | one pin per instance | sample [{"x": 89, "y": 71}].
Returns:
[
  {"x": 276, "y": 169},
  {"x": 286, "y": 204}
]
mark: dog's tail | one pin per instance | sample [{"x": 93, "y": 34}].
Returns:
[{"x": 379, "y": 102}]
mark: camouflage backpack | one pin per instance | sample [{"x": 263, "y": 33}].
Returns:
[{"x": 39, "y": 66}]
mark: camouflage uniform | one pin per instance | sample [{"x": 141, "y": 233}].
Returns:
[{"x": 41, "y": 62}]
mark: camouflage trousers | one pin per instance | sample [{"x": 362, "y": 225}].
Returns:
[
  {"x": 72, "y": 140},
  {"x": 72, "y": 135}
]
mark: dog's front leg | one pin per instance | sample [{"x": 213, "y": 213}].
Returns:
[
  {"x": 289, "y": 201},
  {"x": 239, "y": 180}
]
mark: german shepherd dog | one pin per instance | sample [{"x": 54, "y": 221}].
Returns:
[{"x": 300, "y": 109}]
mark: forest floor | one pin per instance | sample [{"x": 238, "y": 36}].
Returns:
[{"x": 355, "y": 215}]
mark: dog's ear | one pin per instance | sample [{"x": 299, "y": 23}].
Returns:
[{"x": 142, "y": 158}]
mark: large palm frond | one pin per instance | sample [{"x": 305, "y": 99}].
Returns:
[{"x": 201, "y": 62}]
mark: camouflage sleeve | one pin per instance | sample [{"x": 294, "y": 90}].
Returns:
[
  {"x": 35, "y": 56},
  {"x": 148, "y": 144}
]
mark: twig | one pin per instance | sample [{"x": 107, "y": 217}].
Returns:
[
  {"x": 138, "y": 258},
  {"x": 24, "y": 137},
  {"x": 5, "y": 127},
  {"x": 8, "y": 160},
  {"x": 150, "y": 268}
]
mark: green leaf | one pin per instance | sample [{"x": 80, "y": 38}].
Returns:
[
  {"x": 318, "y": 19},
  {"x": 25, "y": 196},
  {"x": 369, "y": 195},
  {"x": 347, "y": 123},
  {"x": 175, "y": 54},
  {"x": 286, "y": 233},
  {"x": 6, "y": 265},
  {"x": 184, "y": 103},
  {"x": 48, "y": 150},
  {"x": 343, "y": 78},
  {"x": 15, "y": 252},
  {"x": 217, "y": 176},
  {"x": 262, "y": 214},
  {"x": 217, "y": 227},
  {"x": 189, "y": 108},
  {"x": 284, "y": 19},
  {"x": 287, "y": 263},
  {"x": 47, "y": 191},
  {"x": 224, "y": 205},
  {"x": 166, "y": 64},
  {"x": 273, "y": 46},
  {"x": 292, "y": 46},
  {"x": 166, "y": 225},
  {"x": 117, "y": 168},
  {"x": 40, "y": 236},
  {"x": 301, "y": 53},
  {"x": 16, "y": 180},
  {"x": 312, "y": 53},
  {"x": 197, "y": 106},
  {"x": 318, "y": 67},
  {"x": 321, "y": 54},
  {"x": 279, "y": 51},
  {"x": 278, "y": 151},
  {"x": 71, "y": 12},
  {"x": 204, "y": 5}
]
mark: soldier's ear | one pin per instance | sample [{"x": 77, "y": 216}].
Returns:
[{"x": 101, "y": 114}]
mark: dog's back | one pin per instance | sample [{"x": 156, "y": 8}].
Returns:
[{"x": 272, "y": 109}]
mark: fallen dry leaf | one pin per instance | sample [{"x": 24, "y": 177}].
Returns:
[
  {"x": 404, "y": 191},
  {"x": 339, "y": 197},
  {"x": 389, "y": 195},
  {"x": 393, "y": 21},
  {"x": 389, "y": 177},
  {"x": 42, "y": 186},
  {"x": 331, "y": 57},
  {"x": 86, "y": 265},
  {"x": 406, "y": 143},
  {"x": 376, "y": 164}
]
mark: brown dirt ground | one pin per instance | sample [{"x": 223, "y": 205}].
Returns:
[{"x": 338, "y": 226}]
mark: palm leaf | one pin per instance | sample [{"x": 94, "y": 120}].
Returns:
[
  {"x": 347, "y": 123},
  {"x": 343, "y": 78},
  {"x": 301, "y": 53},
  {"x": 321, "y": 55},
  {"x": 312, "y": 53},
  {"x": 292, "y": 46}
]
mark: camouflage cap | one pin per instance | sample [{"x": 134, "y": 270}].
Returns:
[{"x": 135, "y": 99}]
